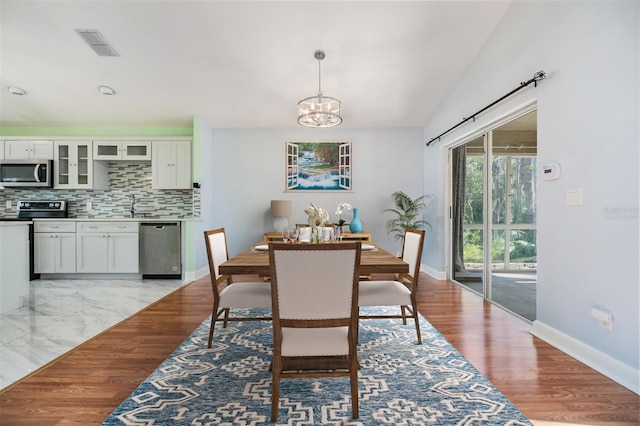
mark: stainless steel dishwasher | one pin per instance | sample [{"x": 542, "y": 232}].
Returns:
[{"x": 160, "y": 250}]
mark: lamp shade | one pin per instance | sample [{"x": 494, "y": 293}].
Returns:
[{"x": 280, "y": 208}]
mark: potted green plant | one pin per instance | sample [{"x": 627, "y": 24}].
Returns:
[{"x": 408, "y": 213}]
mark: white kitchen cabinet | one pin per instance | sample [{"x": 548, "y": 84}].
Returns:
[
  {"x": 54, "y": 247},
  {"x": 171, "y": 165},
  {"x": 28, "y": 150},
  {"x": 1, "y": 150},
  {"x": 122, "y": 150},
  {"x": 74, "y": 167},
  {"x": 107, "y": 247},
  {"x": 55, "y": 253}
]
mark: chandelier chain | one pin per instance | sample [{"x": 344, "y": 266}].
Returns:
[{"x": 319, "y": 77}]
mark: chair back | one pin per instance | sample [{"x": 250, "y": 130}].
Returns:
[
  {"x": 216, "y": 243},
  {"x": 412, "y": 252},
  {"x": 316, "y": 282}
]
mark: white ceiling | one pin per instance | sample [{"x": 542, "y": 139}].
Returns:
[{"x": 236, "y": 63}]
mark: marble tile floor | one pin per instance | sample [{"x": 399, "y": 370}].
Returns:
[{"x": 62, "y": 314}]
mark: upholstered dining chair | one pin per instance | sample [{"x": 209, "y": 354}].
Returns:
[
  {"x": 234, "y": 294},
  {"x": 401, "y": 292},
  {"x": 315, "y": 313}
]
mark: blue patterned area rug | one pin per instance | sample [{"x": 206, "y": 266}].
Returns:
[{"x": 400, "y": 383}]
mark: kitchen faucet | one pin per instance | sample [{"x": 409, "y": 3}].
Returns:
[{"x": 132, "y": 210}]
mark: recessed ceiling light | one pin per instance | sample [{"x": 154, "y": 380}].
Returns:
[
  {"x": 106, "y": 90},
  {"x": 16, "y": 91}
]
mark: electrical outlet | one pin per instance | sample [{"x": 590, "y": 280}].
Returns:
[
  {"x": 8, "y": 204},
  {"x": 605, "y": 318},
  {"x": 89, "y": 206}
]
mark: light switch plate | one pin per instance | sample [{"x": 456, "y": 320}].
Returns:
[
  {"x": 573, "y": 197},
  {"x": 8, "y": 204}
]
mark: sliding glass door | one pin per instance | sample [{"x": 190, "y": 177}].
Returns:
[{"x": 493, "y": 215}]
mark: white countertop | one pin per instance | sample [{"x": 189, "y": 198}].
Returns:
[
  {"x": 132, "y": 219},
  {"x": 103, "y": 219}
]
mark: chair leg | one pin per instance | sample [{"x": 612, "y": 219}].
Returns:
[
  {"x": 354, "y": 365},
  {"x": 404, "y": 314},
  {"x": 357, "y": 331},
  {"x": 275, "y": 387},
  {"x": 417, "y": 321},
  {"x": 214, "y": 316},
  {"x": 226, "y": 318}
]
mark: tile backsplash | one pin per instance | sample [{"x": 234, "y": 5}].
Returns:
[{"x": 125, "y": 179}]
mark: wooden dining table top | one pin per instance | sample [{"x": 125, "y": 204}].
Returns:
[{"x": 252, "y": 261}]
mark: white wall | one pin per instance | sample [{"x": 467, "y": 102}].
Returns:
[
  {"x": 197, "y": 264},
  {"x": 588, "y": 121},
  {"x": 248, "y": 171}
]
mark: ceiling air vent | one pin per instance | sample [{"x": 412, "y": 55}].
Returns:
[{"x": 96, "y": 41}]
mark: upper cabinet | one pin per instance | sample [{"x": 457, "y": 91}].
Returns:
[
  {"x": 121, "y": 150},
  {"x": 1, "y": 150},
  {"x": 171, "y": 165},
  {"x": 28, "y": 150},
  {"x": 74, "y": 166}
]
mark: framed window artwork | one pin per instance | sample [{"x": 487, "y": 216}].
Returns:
[{"x": 318, "y": 166}]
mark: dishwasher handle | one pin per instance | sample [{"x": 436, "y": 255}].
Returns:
[{"x": 158, "y": 225}]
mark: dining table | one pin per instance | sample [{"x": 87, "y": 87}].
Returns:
[{"x": 255, "y": 260}]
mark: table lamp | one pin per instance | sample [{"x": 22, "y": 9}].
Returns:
[{"x": 281, "y": 210}]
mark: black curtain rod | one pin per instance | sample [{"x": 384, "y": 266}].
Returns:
[{"x": 536, "y": 78}]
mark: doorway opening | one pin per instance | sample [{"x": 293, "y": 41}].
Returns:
[{"x": 493, "y": 193}]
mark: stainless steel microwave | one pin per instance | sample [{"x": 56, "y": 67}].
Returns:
[{"x": 26, "y": 173}]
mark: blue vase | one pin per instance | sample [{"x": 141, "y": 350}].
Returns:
[{"x": 355, "y": 226}]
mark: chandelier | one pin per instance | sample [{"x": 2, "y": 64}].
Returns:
[{"x": 319, "y": 110}]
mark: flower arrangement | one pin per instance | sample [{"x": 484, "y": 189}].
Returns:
[{"x": 341, "y": 208}]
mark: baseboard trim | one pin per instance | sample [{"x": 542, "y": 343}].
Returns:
[
  {"x": 197, "y": 274},
  {"x": 438, "y": 275},
  {"x": 617, "y": 371}
]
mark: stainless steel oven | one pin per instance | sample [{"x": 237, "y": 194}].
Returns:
[{"x": 26, "y": 173}]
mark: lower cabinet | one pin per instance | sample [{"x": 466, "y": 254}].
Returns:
[
  {"x": 54, "y": 248},
  {"x": 107, "y": 247}
]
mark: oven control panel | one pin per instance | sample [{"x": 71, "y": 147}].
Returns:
[{"x": 42, "y": 209}]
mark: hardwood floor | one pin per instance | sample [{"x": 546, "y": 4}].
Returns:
[{"x": 84, "y": 386}]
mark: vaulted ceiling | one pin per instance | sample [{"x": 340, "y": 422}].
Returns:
[{"x": 236, "y": 63}]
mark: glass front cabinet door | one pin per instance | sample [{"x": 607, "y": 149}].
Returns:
[
  {"x": 122, "y": 150},
  {"x": 74, "y": 166}
]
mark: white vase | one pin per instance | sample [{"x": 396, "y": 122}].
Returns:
[{"x": 314, "y": 238}]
